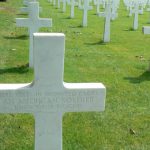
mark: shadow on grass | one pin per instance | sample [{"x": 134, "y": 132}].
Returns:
[
  {"x": 21, "y": 37},
  {"x": 67, "y": 18},
  {"x": 130, "y": 29},
  {"x": 101, "y": 42},
  {"x": 95, "y": 14},
  {"x": 19, "y": 69},
  {"x": 143, "y": 77},
  {"x": 22, "y": 14},
  {"x": 79, "y": 26}
]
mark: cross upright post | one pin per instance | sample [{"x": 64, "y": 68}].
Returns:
[
  {"x": 98, "y": 3},
  {"x": 80, "y": 4},
  {"x": 106, "y": 36},
  {"x": 33, "y": 23},
  {"x": 64, "y": 5},
  {"x": 130, "y": 9},
  {"x": 136, "y": 14},
  {"x": 65, "y": 2},
  {"x": 107, "y": 14},
  {"x": 72, "y": 6},
  {"x": 54, "y": 2},
  {"x": 58, "y": 3},
  {"x": 48, "y": 97},
  {"x": 114, "y": 9}
]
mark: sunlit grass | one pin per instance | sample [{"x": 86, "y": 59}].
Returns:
[{"x": 121, "y": 65}]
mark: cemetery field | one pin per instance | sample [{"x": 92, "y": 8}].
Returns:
[{"x": 121, "y": 65}]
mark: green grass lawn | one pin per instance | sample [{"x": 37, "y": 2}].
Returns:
[{"x": 120, "y": 65}]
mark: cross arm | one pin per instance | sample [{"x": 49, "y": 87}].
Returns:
[
  {"x": 45, "y": 22},
  {"x": 85, "y": 97},
  {"x": 14, "y": 86},
  {"x": 25, "y": 98},
  {"x": 22, "y": 22},
  {"x": 12, "y": 96},
  {"x": 88, "y": 8}
]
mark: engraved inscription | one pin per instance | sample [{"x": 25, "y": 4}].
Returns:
[{"x": 37, "y": 101}]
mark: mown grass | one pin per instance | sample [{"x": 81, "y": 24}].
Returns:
[{"x": 121, "y": 65}]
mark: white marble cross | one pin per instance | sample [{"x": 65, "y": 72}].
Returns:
[
  {"x": 86, "y": 7},
  {"x": 133, "y": 5},
  {"x": 80, "y": 2},
  {"x": 64, "y": 5},
  {"x": 131, "y": 8},
  {"x": 65, "y": 2},
  {"x": 72, "y": 4},
  {"x": 115, "y": 5},
  {"x": 48, "y": 97},
  {"x": 33, "y": 23},
  {"x": 97, "y": 3},
  {"x": 107, "y": 14},
  {"x": 136, "y": 14},
  {"x": 58, "y": 3},
  {"x": 54, "y": 2}
]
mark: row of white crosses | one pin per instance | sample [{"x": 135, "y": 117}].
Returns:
[
  {"x": 114, "y": 7},
  {"x": 98, "y": 4},
  {"x": 82, "y": 4},
  {"x": 57, "y": 3},
  {"x": 65, "y": 2},
  {"x": 33, "y": 23},
  {"x": 130, "y": 4},
  {"x": 133, "y": 7},
  {"x": 109, "y": 14}
]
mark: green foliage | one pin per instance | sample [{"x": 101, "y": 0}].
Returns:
[{"x": 121, "y": 65}]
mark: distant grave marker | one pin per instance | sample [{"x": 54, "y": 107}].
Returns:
[
  {"x": 33, "y": 23},
  {"x": 86, "y": 7},
  {"x": 65, "y": 2},
  {"x": 64, "y": 5},
  {"x": 72, "y": 6},
  {"x": 146, "y": 30},
  {"x": 58, "y": 3},
  {"x": 107, "y": 14},
  {"x": 136, "y": 14},
  {"x": 114, "y": 12}
]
